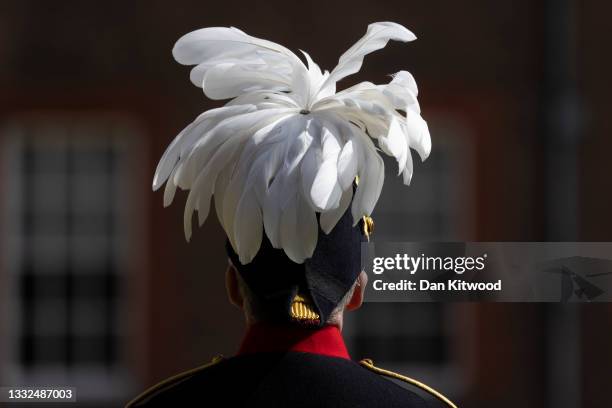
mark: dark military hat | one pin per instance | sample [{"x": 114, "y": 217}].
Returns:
[{"x": 290, "y": 291}]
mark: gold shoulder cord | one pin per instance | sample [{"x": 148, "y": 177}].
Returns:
[
  {"x": 367, "y": 363},
  {"x": 168, "y": 381}
]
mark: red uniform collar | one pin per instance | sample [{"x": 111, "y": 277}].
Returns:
[{"x": 261, "y": 338}]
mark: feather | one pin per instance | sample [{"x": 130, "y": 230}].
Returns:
[
  {"x": 301, "y": 88},
  {"x": 371, "y": 178},
  {"x": 205, "y": 147},
  {"x": 309, "y": 168},
  {"x": 400, "y": 96},
  {"x": 169, "y": 191},
  {"x": 395, "y": 144},
  {"x": 347, "y": 165},
  {"x": 329, "y": 219},
  {"x": 257, "y": 152},
  {"x": 214, "y": 43},
  {"x": 298, "y": 229},
  {"x": 185, "y": 140},
  {"x": 285, "y": 182},
  {"x": 287, "y": 146},
  {"x": 220, "y": 152},
  {"x": 261, "y": 157},
  {"x": 405, "y": 80},
  {"x": 249, "y": 231},
  {"x": 202, "y": 189},
  {"x": 377, "y": 36},
  {"x": 407, "y": 172},
  {"x": 229, "y": 60},
  {"x": 228, "y": 80},
  {"x": 265, "y": 60},
  {"x": 220, "y": 188},
  {"x": 325, "y": 191},
  {"x": 418, "y": 133},
  {"x": 263, "y": 99}
]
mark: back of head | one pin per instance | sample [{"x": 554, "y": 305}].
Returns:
[{"x": 309, "y": 294}]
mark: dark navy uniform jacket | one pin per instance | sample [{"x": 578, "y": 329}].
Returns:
[{"x": 281, "y": 367}]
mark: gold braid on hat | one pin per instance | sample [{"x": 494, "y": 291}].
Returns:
[{"x": 303, "y": 312}]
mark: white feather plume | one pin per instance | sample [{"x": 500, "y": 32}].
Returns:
[{"x": 287, "y": 145}]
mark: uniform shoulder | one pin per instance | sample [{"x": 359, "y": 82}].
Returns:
[
  {"x": 369, "y": 364},
  {"x": 160, "y": 388}
]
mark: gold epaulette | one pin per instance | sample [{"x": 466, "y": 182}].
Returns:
[
  {"x": 369, "y": 364},
  {"x": 171, "y": 380}
]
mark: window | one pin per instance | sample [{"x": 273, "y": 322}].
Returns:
[
  {"x": 417, "y": 338},
  {"x": 67, "y": 244}
]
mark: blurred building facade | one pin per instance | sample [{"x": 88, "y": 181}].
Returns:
[{"x": 99, "y": 289}]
